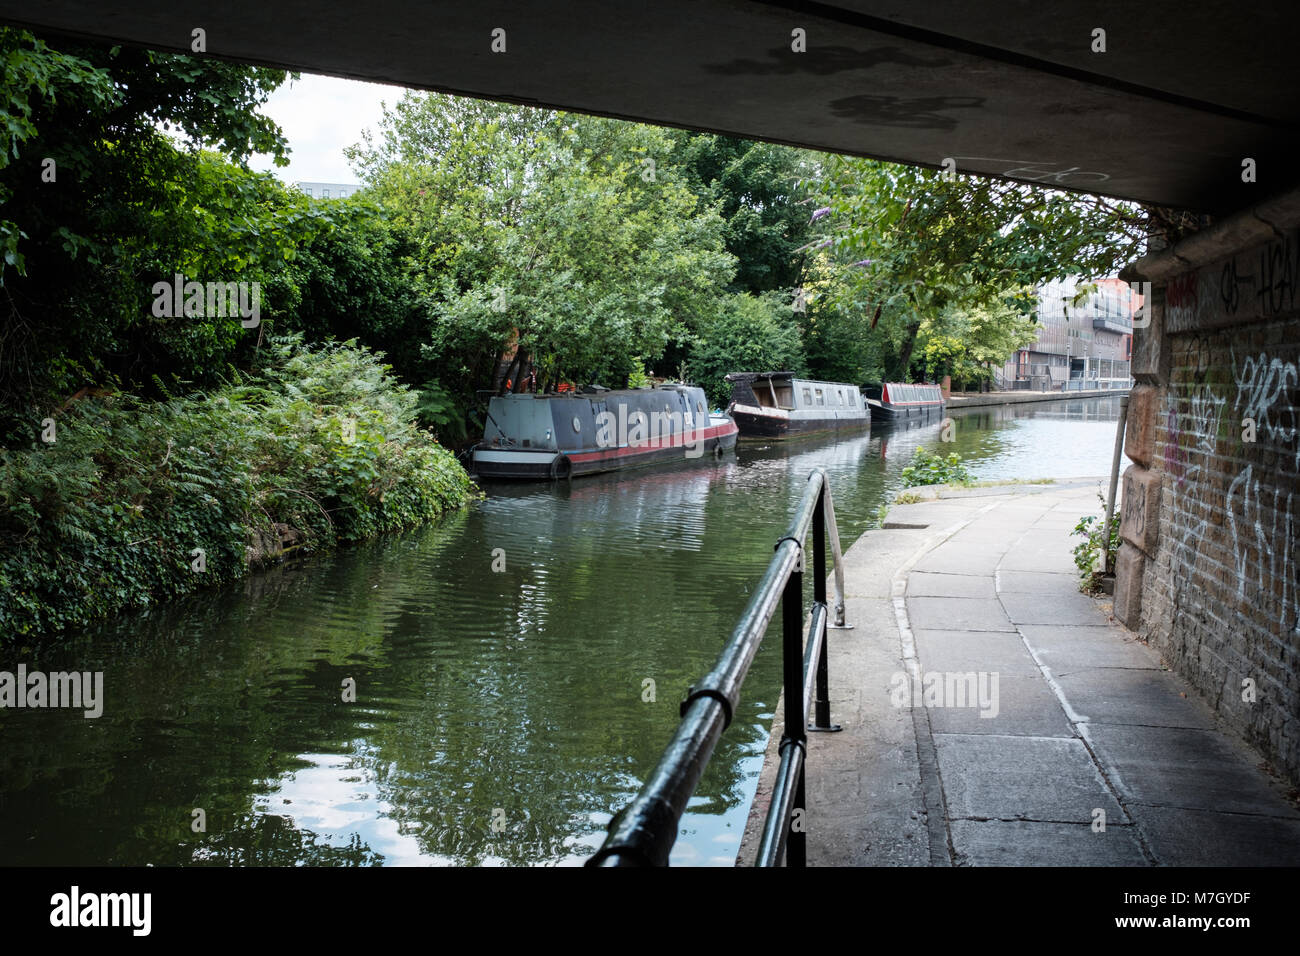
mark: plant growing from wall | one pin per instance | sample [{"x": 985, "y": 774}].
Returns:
[{"x": 1088, "y": 555}]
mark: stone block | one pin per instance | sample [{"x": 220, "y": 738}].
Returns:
[
  {"x": 1151, "y": 347},
  {"x": 1140, "y": 434},
  {"x": 1140, "y": 516},
  {"x": 1130, "y": 565}
]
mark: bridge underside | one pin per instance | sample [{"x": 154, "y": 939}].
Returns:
[{"x": 1166, "y": 114}]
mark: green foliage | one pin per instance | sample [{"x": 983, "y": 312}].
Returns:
[
  {"x": 928, "y": 469},
  {"x": 320, "y": 446},
  {"x": 544, "y": 223},
  {"x": 1088, "y": 555},
  {"x": 749, "y": 334},
  {"x": 761, "y": 191},
  {"x": 126, "y": 208},
  {"x": 966, "y": 342},
  {"x": 903, "y": 246},
  {"x": 638, "y": 378},
  {"x": 439, "y": 410}
]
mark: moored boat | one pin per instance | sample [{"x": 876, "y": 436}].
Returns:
[
  {"x": 779, "y": 405},
  {"x": 598, "y": 429},
  {"x": 900, "y": 401}
]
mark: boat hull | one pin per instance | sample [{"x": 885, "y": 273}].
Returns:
[
  {"x": 499, "y": 462},
  {"x": 772, "y": 425},
  {"x": 901, "y": 413}
]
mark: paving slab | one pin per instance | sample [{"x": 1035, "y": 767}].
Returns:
[
  {"x": 947, "y": 613},
  {"x": 1069, "y": 607},
  {"x": 1050, "y": 780},
  {"x": 1064, "y": 649},
  {"x": 935, "y": 584},
  {"x": 1039, "y": 559},
  {"x": 1035, "y": 582},
  {"x": 1004, "y": 653},
  {"x": 953, "y": 560},
  {"x": 1022, "y": 706},
  {"x": 1181, "y": 837},
  {"x": 1017, "y": 843},
  {"x": 1123, "y": 695},
  {"x": 1188, "y": 768}
]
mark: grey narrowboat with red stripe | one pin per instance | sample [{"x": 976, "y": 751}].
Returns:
[
  {"x": 901, "y": 401},
  {"x": 779, "y": 405},
  {"x": 597, "y": 429}
]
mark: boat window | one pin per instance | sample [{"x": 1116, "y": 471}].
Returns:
[
  {"x": 820, "y": 399},
  {"x": 839, "y": 396},
  {"x": 807, "y": 396},
  {"x": 853, "y": 399}
]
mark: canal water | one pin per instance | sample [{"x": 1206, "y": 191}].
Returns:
[{"x": 500, "y": 717}]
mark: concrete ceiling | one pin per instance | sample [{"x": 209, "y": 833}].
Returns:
[{"x": 1183, "y": 93}]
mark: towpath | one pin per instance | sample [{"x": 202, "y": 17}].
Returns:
[{"x": 1073, "y": 744}]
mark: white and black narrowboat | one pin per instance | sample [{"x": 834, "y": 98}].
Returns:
[
  {"x": 597, "y": 429},
  {"x": 779, "y": 405},
  {"x": 900, "y": 401}
]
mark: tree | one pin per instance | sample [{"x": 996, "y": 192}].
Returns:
[
  {"x": 904, "y": 244},
  {"x": 762, "y": 192},
  {"x": 560, "y": 233},
  {"x": 99, "y": 204},
  {"x": 966, "y": 341},
  {"x": 749, "y": 334}
]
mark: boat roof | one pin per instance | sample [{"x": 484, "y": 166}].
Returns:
[
  {"x": 755, "y": 376},
  {"x": 598, "y": 391}
]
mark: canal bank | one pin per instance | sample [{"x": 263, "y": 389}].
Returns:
[
  {"x": 994, "y": 715},
  {"x": 985, "y": 399}
]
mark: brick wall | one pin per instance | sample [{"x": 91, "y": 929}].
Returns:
[{"x": 1210, "y": 567}]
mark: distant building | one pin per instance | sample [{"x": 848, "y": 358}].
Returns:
[
  {"x": 1089, "y": 345},
  {"x": 328, "y": 190}
]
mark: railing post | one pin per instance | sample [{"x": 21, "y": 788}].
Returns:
[
  {"x": 828, "y": 508},
  {"x": 1107, "y": 564},
  {"x": 822, "y": 716},
  {"x": 796, "y": 850}
]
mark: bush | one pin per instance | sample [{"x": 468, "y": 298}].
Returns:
[
  {"x": 317, "y": 449},
  {"x": 928, "y": 469},
  {"x": 749, "y": 334}
]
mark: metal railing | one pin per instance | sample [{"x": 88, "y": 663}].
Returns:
[{"x": 643, "y": 832}]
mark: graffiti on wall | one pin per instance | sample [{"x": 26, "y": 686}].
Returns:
[
  {"x": 1259, "y": 284},
  {"x": 1266, "y": 396},
  {"x": 1260, "y": 520},
  {"x": 1220, "y": 481}
]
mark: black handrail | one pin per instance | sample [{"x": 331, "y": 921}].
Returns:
[{"x": 643, "y": 832}]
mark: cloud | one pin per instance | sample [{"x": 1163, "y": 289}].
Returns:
[{"x": 320, "y": 115}]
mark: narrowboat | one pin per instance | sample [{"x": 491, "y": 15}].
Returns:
[
  {"x": 778, "y": 405},
  {"x": 899, "y": 401},
  {"x": 598, "y": 429}
]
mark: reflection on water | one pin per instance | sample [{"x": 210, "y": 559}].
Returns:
[{"x": 499, "y": 716}]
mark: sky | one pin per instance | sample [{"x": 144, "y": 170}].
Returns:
[{"x": 320, "y": 115}]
